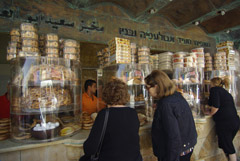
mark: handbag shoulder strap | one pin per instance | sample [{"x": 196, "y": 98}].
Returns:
[{"x": 103, "y": 131}]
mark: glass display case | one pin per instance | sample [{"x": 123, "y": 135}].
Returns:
[
  {"x": 231, "y": 75},
  {"x": 45, "y": 95},
  {"x": 189, "y": 82},
  {"x": 133, "y": 75}
]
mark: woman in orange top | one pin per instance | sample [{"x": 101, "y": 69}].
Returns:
[{"x": 89, "y": 100}]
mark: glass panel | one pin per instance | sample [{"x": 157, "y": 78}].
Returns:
[
  {"x": 45, "y": 98},
  {"x": 189, "y": 82},
  {"x": 133, "y": 75}
]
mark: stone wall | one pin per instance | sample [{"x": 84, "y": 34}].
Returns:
[
  {"x": 71, "y": 149},
  {"x": 106, "y": 22}
]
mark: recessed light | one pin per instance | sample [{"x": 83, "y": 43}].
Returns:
[
  {"x": 222, "y": 12},
  {"x": 227, "y": 31},
  {"x": 196, "y": 23},
  {"x": 152, "y": 11}
]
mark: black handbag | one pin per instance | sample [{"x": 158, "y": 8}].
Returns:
[{"x": 95, "y": 156}]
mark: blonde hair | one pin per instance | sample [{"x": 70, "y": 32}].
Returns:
[
  {"x": 219, "y": 82},
  {"x": 165, "y": 86}
]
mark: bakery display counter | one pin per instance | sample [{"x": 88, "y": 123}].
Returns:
[
  {"x": 71, "y": 148},
  {"x": 45, "y": 99},
  {"x": 133, "y": 75}
]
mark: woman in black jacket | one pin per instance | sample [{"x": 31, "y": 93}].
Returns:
[
  {"x": 121, "y": 140},
  {"x": 173, "y": 129},
  {"x": 225, "y": 116}
]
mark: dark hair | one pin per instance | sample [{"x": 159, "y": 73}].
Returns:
[
  {"x": 165, "y": 86},
  {"x": 89, "y": 82},
  {"x": 115, "y": 92}
]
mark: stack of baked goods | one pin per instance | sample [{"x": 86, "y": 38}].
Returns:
[
  {"x": 154, "y": 61},
  {"x": 29, "y": 38},
  {"x": 71, "y": 49},
  {"x": 120, "y": 51},
  {"x": 100, "y": 59},
  {"x": 51, "y": 45},
  {"x": 134, "y": 56},
  {"x": 220, "y": 61},
  {"x": 208, "y": 62},
  {"x": 227, "y": 47},
  {"x": 165, "y": 61},
  {"x": 87, "y": 121},
  {"x": 190, "y": 60},
  {"x": 143, "y": 55},
  {"x": 178, "y": 59},
  {"x": 4, "y": 128},
  {"x": 14, "y": 45},
  {"x": 200, "y": 57},
  {"x": 106, "y": 56}
]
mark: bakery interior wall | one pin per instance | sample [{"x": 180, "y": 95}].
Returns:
[{"x": 94, "y": 28}]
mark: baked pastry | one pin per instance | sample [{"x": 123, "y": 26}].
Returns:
[
  {"x": 87, "y": 121},
  {"x": 71, "y": 56},
  {"x": 12, "y": 50},
  {"x": 30, "y": 43},
  {"x": 4, "y": 136},
  {"x": 11, "y": 56},
  {"x": 25, "y": 54},
  {"x": 51, "y": 37},
  {"x": 67, "y": 131},
  {"x": 71, "y": 43},
  {"x": 29, "y": 35},
  {"x": 15, "y": 32},
  {"x": 21, "y": 136},
  {"x": 52, "y": 50},
  {"x": 53, "y": 44},
  {"x": 14, "y": 44},
  {"x": 16, "y": 39},
  {"x": 30, "y": 49},
  {"x": 70, "y": 50},
  {"x": 28, "y": 27}
]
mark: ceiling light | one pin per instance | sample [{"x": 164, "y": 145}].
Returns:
[
  {"x": 227, "y": 31},
  {"x": 152, "y": 11},
  {"x": 222, "y": 12},
  {"x": 196, "y": 23}
]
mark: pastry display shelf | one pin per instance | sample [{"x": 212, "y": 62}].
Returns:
[
  {"x": 50, "y": 82},
  {"x": 46, "y": 110},
  {"x": 45, "y": 96}
]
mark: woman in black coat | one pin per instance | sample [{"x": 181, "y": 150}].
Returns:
[
  {"x": 173, "y": 129},
  {"x": 225, "y": 116},
  {"x": 121, "y": 140}
]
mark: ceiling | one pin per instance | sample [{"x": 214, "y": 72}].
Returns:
[{"x": 218, "y": 18}]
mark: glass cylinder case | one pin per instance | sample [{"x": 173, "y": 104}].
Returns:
[
  {"x": 233, "y": 78},
  {"x": 189, "y": 82},
  {"x": 133, "y": 75},
  {"x": 45, "y": 98}
]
